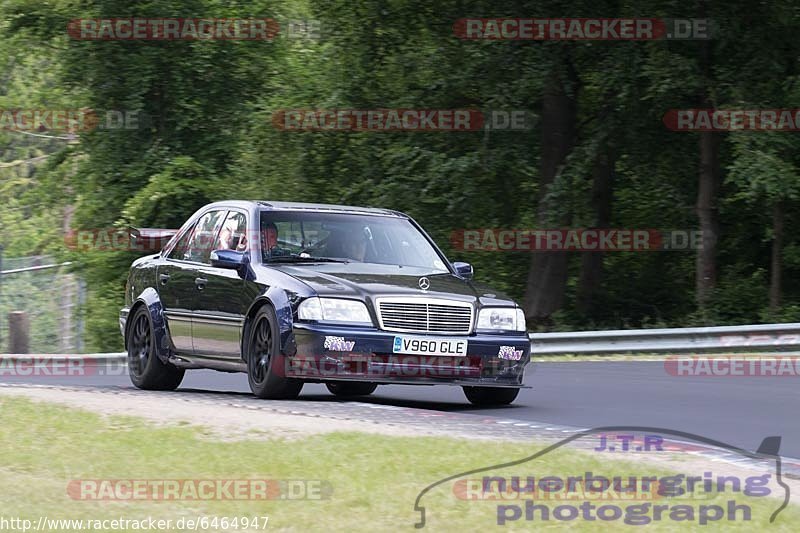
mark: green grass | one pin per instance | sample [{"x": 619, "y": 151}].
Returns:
[{"x": 375, "y": 479}]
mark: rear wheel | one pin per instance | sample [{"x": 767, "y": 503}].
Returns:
[
  {"x": 490, "y": 395},
  {"x": 356, "y": 388},
  {"x": 266, "y": 370},
  {"x": 145, "y": 369}
]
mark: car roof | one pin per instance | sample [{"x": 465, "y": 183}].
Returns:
[{"x": 302, "y": 206}]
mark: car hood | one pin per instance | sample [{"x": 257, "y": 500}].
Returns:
[{"x": 366, "y": 281}]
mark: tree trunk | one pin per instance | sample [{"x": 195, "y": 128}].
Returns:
[
  {"x": 707, "y": 190},
  {"x": 775, "y": 266},
  {"x": 547, "y": 277},
  {"x": 708, "y": 187},
  {"x": 591, "y": 276}
]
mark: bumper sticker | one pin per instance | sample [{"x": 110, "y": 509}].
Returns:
[
  {"x": 338, "y": 344},
  {"x": 510, "y": 353}
]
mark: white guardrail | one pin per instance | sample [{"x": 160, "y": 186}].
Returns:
[
  {"x": 752, "y": 338},
  {"x": 719, "y": 339}
]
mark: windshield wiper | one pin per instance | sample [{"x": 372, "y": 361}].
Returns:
[{"x": 298, "y": 259}]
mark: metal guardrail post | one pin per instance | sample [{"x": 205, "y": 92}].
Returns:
[
  {"x": 1, "y": 294},
  {"x": 81, "y": 311},
  {"x": 18, "y": 332}
]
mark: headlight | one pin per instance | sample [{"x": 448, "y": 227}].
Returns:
[
  {"x": 334, "y": 310},
  {"x": 501, "y": 319}
]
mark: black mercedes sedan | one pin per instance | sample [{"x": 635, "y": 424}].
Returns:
[{"x": 291, "y": 293}]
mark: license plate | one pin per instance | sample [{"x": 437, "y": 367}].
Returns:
[{"x": 430, "y": 346}]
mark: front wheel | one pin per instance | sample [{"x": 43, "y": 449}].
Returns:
[
  {"x": 490, "y": 395},
  {"x": 356, "y": 388},
  {"x": 145, "y": 369},
  {"x": 266, "y": 370}
]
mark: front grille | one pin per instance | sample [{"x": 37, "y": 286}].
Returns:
[{"x": 425, "y": 315}]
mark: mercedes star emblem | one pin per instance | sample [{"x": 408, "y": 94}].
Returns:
[{"x": 424, "y": 283}]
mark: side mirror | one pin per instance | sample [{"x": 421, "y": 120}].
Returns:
[
  {"x": 463, "y": 269},
  {"x": 230, "y": 259}
]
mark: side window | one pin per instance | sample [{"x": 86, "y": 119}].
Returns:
[
  {"x": 233, "y": 235},
  {"x": 199, "y": 248},
  {"x": 179, "y": 250}
]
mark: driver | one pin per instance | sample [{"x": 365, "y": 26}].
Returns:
[
  {"x": 271, "y": 248},
  {"x": 356, "y": 247},
  {"x": 347, "y": 244}
]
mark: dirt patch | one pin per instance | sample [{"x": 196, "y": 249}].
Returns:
[{"x": 221, "y": 422}]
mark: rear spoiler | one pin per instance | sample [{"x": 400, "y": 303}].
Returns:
[{"x": 150, "y": 239}]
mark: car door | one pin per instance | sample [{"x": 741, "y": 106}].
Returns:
[
  {"x": 224, "y": 298},
  {"x": 177, "y": 278}
]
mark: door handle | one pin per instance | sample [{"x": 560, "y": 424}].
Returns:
[
  {"x": 163, "y": 278},
  {"x": 200, "y": 282}
]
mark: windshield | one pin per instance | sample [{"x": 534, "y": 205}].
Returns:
[{"x": 299, "y": 236}]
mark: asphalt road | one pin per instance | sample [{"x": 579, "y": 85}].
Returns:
[{"x": 740, "y": 411}]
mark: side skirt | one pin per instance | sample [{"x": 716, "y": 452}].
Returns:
[{"x": 223, "y": 365}]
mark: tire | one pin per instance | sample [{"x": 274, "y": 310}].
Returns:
[
  {"x": 355, "y": 388},
  {"x": 265, "y": 363},
  {"x": 490, "y": 395},
  {"x": 145, "y": 369}
]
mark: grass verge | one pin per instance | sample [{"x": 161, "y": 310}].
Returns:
[{"x": 374, "y": 479}]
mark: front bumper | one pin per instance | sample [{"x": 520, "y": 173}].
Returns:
[{"x": 371, "y": 358}]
